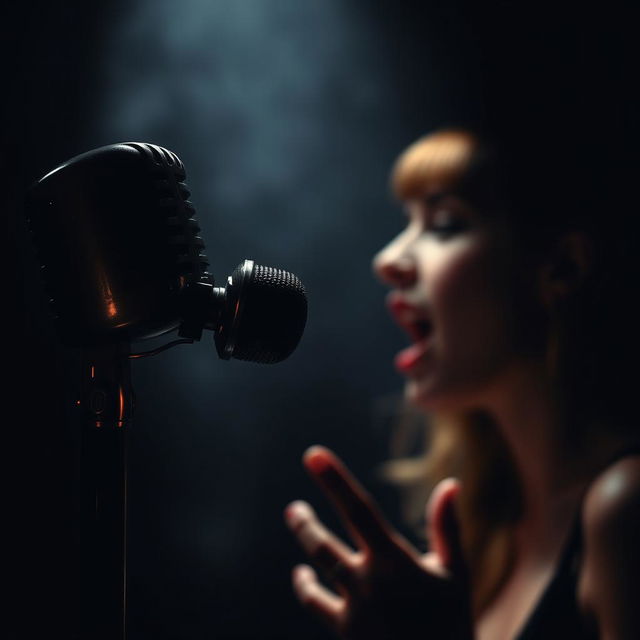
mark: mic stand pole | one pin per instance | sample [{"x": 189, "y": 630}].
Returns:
[{"x": 107, "y": 405}]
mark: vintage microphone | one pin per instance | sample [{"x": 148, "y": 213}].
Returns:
[{"x": 123, "y": 261}]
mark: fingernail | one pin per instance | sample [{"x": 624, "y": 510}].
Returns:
[
  {"x": 316, "y": 460},
  {"x": 301, "y": 572},
  {"x": 294, "y": 513}
]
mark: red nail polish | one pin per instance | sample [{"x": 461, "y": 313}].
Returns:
[
  {"x": 317, "y": 462},
  {"x": 290, "y": 513}
]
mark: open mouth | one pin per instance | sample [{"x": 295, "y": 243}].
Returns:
[
  {"x": 414, "y": 321},
  {"x": 419, "y": 330}
]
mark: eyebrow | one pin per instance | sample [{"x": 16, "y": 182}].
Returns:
[{"x": 433, "y": 200}]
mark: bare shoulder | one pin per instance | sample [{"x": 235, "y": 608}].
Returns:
[
  {"x": 610, "y": 575},
  {"x": 612, "y": 503}
]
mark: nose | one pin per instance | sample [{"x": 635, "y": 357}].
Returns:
[{"x": 395, "y": 267}]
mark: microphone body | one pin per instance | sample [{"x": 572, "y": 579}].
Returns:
[{"x": 117, "y": 241}]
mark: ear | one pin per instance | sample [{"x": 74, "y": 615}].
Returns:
[{"x": 566, "y": 268}]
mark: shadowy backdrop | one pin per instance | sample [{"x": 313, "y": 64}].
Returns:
[{"x": 287, "y": 116}]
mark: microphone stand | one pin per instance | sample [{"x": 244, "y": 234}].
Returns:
[{"x": 106, "y": 402}]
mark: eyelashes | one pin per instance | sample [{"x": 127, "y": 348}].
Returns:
[
  {"x": 445, "y": 225},
  {"x": 441, "y": 222}
]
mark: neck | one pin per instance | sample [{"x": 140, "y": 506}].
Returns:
[{"x": 528, "y": 415}]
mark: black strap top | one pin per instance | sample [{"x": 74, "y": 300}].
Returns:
[{"x": 557, "y": 614}]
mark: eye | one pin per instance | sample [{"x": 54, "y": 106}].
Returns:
[{"x": 445, "y": 223}]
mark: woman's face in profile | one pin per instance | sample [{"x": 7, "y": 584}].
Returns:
[{"x": 459, "y": 291}]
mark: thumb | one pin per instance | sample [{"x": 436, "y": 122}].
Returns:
[{"x": 443, "y": 527}]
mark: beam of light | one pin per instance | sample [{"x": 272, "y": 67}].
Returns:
[
  {"x": 281, "y": 112},
  {"x": 271, "y": 104}
]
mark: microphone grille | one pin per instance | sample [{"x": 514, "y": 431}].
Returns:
[{"x": 274, "y": 316}]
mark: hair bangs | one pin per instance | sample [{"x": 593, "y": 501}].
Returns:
[{"x": 435, "y": 162}]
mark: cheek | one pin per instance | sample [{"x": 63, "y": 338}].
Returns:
[
  {"x": 467, "y": 279},
  {"x": 485, "y": 308}
]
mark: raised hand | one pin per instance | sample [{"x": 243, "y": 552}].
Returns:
[{"x": 384, "y": 588}]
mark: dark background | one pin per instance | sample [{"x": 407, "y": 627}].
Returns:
[{"x": 287, "y": 116}]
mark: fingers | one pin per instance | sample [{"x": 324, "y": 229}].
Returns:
[
  {"x": 443, "y": 527},
  {"x": 312, "y": 595},
  {"x": 325, "y": 549},
  {"x": 353, "y": 503},
  {"x": 431, "y": 562}
]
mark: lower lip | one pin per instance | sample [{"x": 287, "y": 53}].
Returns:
[{"x": 408, "y": 359}]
